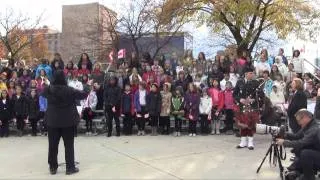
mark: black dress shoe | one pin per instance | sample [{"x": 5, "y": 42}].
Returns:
[
  {"x": 53, "y": 171},
  {"x": 118, "y": 134},
  {"x": 72, "y": 171},
  {"x": 251, "y": 148},
  {"x": 109, "y": 135}
]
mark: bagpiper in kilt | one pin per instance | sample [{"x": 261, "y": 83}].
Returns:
[{"x": 249, "y": 96}]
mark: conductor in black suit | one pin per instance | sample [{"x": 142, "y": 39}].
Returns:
[
  {"x": 62, "y": 117},
  {"x": 299, "y": 101}
]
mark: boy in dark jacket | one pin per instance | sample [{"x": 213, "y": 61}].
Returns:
[
  {"x": 154, "y": 107},
  {"x": 112, "y": 99},
  {"x": 33, "y": 110},
  {"x": 20, "y": 109},
  {"x": 5, "y": 113},
  {"x": 127, "y": 110}
]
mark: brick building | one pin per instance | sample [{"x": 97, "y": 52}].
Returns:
[{"x": 84, "y": 30}]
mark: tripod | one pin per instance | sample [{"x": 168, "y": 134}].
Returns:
[{"x": 277, "y": 156}]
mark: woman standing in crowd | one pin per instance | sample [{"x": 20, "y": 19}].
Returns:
[
  {"x": 298, "y": 63},
  {"x": 57, "y": 62},
  {"x": 267, "y": 83},
  {"x": 141, "y": 109},
  {"x": 6, "y": 113},
  {"x": 85, "y": 62},
  {"x": 192, "y": 101},
  {"x": 205, "y": 109},
  {"x": 154, "y": 108},
  {"x": 299, "y": 101},
  {"x": 69, "y": 68},
  {"x": 112, "y": 101},
  {"x": 165, "y": 109},
  {"x": 97, "y": 74}
]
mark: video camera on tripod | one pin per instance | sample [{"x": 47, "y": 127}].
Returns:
[
  {"x": 275, "y": 131},
  {"x": 276, "y": 153}
]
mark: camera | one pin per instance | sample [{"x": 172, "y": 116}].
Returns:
[{"x": 273, "y": 130}]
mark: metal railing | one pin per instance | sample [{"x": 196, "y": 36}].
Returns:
[{"x": 314, "y": 66}]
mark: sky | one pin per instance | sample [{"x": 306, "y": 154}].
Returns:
[
  {"x": 52, "y": 14},
  {"x": 52, "y": 17}
]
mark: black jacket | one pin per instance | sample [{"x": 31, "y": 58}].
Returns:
[
  {"x": 6, "y": 112},
  {"x": 250, "y": 89},
  {"x": 317, "y": 110},
  {"x": 62, "y": 111},
  {"x": 34, "y": 108},
  {"x": 20, "y": 106},
  {"x": 154, "y": 103},
  {"x": 299, "y": 101},
  {"x": 304, "y": 138},
  {"x": 112, "y": 95}
]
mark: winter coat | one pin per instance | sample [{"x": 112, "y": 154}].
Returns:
[
  {"x": 20, "y": 106},
  {"x": 100, "y": 98},
  {"x": 46, "y": 68},
  {"x": 34, "y": 107},
  {"x": 217, "y": 98},
  {"x": 112, "y": 96},
  {"x": 228, "y": 99},
  {"x": 43, "y": 104},
  {"x": 154, "y": 103},
  {"x": 277, "y": 97},
  {"x": 137, "y": 105},
  {"x": 268, "y": 87},
  {"x": 192, "y": 101},
  {"x": 205, "y": 106},
  {"x": 6, "y": 111},
  {"x": 298, "y": 64},
  {"x": 90, "y": 101},
  {"x": 62, "y": 111},
  {"x": 25, "y": 79},
  {"x": 177, "y": 106},
  {"x": 166, "y": 103},
  {"x": 98, "y": 76},
  {"x": 127, "y": 105}
]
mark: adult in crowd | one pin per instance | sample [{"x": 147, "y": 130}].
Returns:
[
  {"x": 57, "y": 62},
  {"x": 62, "y": 117},
  {"x": 298, "y": 63},
  {"x": 306, "y": 146},
  {"x": 46, "y": 67},
  {"x": 85, "y": 62},
  {"x": 284, "y": 60},
  {"x": 299, "y": 101},
  {"x": 263, "y": 64}
]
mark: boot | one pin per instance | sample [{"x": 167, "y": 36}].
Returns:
[
  {"x": 155, "y": 131},
  {"x": 72, "y": 171},
  {"x": 218, "y": 127},
  {"x": 250, "y": 143},
  {"x": 213, "y": 127},
  {"x": 152, "y": 131},
  {"x": 243, "y": 143}
]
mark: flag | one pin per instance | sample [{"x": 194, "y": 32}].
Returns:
[
  {"x": 111, "y": 56},
  {"x": 122, "y": 53}
]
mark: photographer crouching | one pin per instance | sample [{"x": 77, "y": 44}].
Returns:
[{"x": 306, "y": 147}]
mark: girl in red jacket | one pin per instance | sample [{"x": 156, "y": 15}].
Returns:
[
  {"x": 217, "y": 105},
  {"x": 229, "y": 106}
]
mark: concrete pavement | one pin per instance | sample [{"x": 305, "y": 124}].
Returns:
[{"x": 132, "y": 157}]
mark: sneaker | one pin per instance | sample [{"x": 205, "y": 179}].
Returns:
[
  {"x": 179, "y": 133},
  {"x": 89, "y": 133},
  {"x": 213, "y": 132},
  {"x": 194, "y": 135},
  {"x": 190, "y": 134},
  {"x": 218, "y": 132},
  {"x": 143, "y": 133},
  {"x": 138, "y": 133}
]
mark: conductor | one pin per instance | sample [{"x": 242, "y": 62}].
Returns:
[{"x": 62, "y": 117}]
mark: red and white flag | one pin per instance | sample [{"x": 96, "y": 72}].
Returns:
[
  {"x": 111, "y": 56},
  {"x": 122, "y": 53}
]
